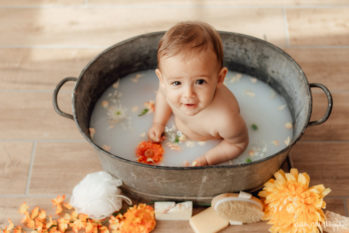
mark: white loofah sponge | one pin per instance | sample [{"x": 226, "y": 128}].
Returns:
[{"x": 98, "y": 195}]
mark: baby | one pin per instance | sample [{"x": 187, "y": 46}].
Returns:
[{"x": 191, "y": 74}]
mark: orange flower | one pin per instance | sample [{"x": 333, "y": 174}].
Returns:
[
  {"x": 42, "y": 215},
  {"x": 18, "y": 229},
  {"x": 53, "y": 230},
  {"x": 10, "y": 227},
  {"x": 28, "y": 221},
  {"x": 291, "y": 206},
  {"x": 63, "y": 224},
  {"x": 39, "y": 226},
  {"x": 139, "y": 219},
  {"x": 115, "y": 223},
  {"x": 83, "y": 217},
  {"x": 103, "y": 229},
  {"x": 67, "y": 206},
  {"x": 51, "y": 223},
  {"x": 77, "y": 225},
  {"x": 149, "y": 152},
  {"x": 23, "y": 208},
  {"x": 57, "y": 202},
  {"x": 35, "y": 212},
  {"x": 91, "y": 227}
]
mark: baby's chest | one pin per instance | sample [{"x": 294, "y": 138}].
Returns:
[{"x": 198, "y": 129}]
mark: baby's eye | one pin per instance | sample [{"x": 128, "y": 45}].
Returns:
[
  {"x": 176, "y": 83},
  {"x": 200, "y": 81}
]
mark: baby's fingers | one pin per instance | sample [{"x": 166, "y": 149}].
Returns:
[
  {"x": 201, "y": 161},
  {"x": 154, "y": 136}
]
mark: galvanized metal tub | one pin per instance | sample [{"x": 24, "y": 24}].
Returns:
[{"x": 244, "y": 54}]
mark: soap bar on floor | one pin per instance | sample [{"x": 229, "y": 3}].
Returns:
[
  {"x": 208, "y": 221},
  {"x": 173, "y": 211}
]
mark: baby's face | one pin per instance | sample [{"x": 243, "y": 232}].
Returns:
[{"x": 190, "y": 80}]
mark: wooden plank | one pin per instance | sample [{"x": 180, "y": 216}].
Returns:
[
  {"x": 104, "y": 26},
  {"x": 58, "y": 167},
  {"x": 318, "y": 26},
  {"x": 329, "y": 66},
  {"x": 337, "y": 126},
  {"x": 30, "y": 115},
  {"x": 326, "y": 163},
  {"x": 41, "y": 68},
  {"x": 15, "y": 158}
]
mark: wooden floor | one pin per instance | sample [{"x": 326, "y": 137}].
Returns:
[{"x": 43, "y": 41}]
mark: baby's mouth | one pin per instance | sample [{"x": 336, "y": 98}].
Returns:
[{"x": 190, "y": 105}]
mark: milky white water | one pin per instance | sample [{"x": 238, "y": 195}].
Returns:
[{"x": 123, "y": 115}]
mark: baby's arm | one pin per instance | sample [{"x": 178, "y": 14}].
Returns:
[
  {"x": 161, "y": 115},
  {"x": 234, "y": 141}
]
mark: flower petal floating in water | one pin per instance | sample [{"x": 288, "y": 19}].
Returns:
[
  {"x": 149, "y": 152},
  {"x": 250, "y": 93},
  {"x": 190, "y": 144},
  {"x": 150, "y": 105},
  {"x": 134, "y": 109},
  {"x": 287, "y": 141},
  {"x": 92, "y": 132},
  {"x": 116, "y": 113},
  {"x": 291, "y": 205},
  {"x": 275, "y": 142},
  {"x": 116, "y": 84},
  {"x": 106, "y": 147},
  {"x": 136, "y": 78},
  {"x": 173, "y": 146},
  {"x": 251, "y": 152},
  {"x": 105, "y": 104},
  {"x": 288, "y": 125},
  {"x": 282, "y": 107},
  {"x": 235, "y": 78},
  {"x": 201, "y": 143}
]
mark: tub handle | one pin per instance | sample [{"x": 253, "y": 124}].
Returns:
[
  {"x": 55, "y": 97},
  {"x": 329, "y": 102}
]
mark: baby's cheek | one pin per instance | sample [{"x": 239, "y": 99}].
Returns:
[{"x": 172, "y": 98}]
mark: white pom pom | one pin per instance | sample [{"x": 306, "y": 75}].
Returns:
[{"x": 97, "y": 195}]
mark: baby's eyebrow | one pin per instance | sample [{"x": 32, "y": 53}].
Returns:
[{"x": 174, "y": 78}]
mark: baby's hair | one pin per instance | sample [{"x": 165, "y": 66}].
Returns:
[{"x": 190, "y": 35}]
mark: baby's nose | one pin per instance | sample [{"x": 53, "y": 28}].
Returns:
[{"x": 189, "y": 92}]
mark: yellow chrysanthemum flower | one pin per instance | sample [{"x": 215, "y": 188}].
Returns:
[{"x": 291, "y": 206}]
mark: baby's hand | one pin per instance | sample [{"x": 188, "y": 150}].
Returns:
[
  {"x": 201, "y": 161},
  {"x": 155, "y": 133}
]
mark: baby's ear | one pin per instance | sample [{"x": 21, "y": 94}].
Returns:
[
  {"x": 221, "y": 75},
  {"x": 159, "y": 75}
]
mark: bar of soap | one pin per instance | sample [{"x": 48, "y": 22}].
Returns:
[
  {"x": 208, "y": 221},
  {"x": 172, "y": 211}
]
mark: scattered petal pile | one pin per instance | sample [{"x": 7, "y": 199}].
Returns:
[
  {"x": 291, "y": 206},
  {"x": 138, "y": 219}
]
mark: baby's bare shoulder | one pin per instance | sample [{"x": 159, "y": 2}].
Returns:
[
  {"x": 228, "y": 122},
  {"x": 225, "y": 102}
]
